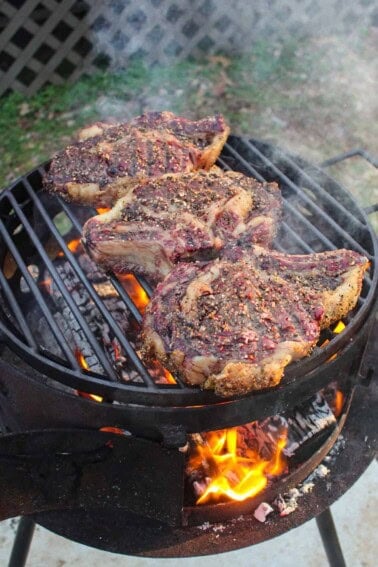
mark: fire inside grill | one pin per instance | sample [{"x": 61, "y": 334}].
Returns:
[
  {"x": 77, "y": 328},
  {"x": 239, "y": 462}
]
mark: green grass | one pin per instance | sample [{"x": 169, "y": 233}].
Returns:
[
  {"x": 31, "y": 129},
  {"x": 287, "y": 91}
]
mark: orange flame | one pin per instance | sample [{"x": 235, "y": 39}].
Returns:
[
  {"x": 46, "y": 284},
  {"x": 338, "y": 403},
  {"x": 84, "y": 364},
  {"x": 135, "y": 290},
  {"x": 112, "y": 429},
  {"x": 340, "y": 326},
  {"x": 235, "y": 474},
  {"x": 102, "y": 210},
  {"x": 92, "y": 397},
  {"x": 160, "y": 374},
  {"x": 81, "y": 360},
  {"x": 74, "y": 245}
]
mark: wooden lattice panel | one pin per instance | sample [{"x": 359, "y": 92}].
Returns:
[
  {"x": 52, "y": 41},
  {"x": 45, "y": 41}
]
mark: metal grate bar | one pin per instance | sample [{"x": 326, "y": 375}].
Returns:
[
  {"x": 125, "y": 297},
  {"x": 17, "y": 311},
  {"x": 90, "y": 337},
  {"x": 288, "y": 229},
  {"x": 58, "y": 335},
  {"x": 303, "y": 197},
  {"x": 129, "y": 350},
  {"x": 294, "y": 236},
  {"x": 309, "y": 226},
  {"x": 115, "y": 282},
  {"x": 352, "y": 153},
  {"x": 325, "y": 195},
  {"x": 245, "y": 163}
]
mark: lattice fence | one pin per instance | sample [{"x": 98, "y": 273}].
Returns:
[
  {"x": 45, "y": 42},
  {"x": 52, "y": 41}
]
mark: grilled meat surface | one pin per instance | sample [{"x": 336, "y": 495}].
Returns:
[
  {"x": 235, "y": 323},
  {"x": 336, "y": 275},
  {"x": 181, "y": 217},
  {"x": 109, "y": 160}
]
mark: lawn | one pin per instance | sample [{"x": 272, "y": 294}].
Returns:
[{"x": 316, "y": 97}]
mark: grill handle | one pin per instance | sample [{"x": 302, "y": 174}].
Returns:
[
  {"x": 368, "y": 367},
  {"x": 371, "y": 209},
  {"x": 352, "y": 153}
]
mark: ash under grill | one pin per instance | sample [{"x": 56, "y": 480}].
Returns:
[{"x": 79, "y": 326}]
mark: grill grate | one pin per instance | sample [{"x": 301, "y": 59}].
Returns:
[{"x": 318, "y": 215}]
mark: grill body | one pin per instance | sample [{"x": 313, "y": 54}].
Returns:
[
  {"x": 318, "y": 215},
  {"x": 51, "y": 434}
]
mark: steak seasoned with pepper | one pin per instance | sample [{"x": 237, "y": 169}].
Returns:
[
  {"x": 109, "y": 160},
  {"x": 337, "y": 275},
  {"x": 234, "y": 324},
  {"x": 182, "y": 217}
]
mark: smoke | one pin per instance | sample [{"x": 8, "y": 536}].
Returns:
[{"x": 299, "y": 74}]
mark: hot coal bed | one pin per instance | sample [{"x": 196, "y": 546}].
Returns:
[{"x": 95, "y": 445}]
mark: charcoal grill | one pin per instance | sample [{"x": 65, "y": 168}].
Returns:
[
  {"x": 318, "y": 215},
  {"x": 40, "y": 379}
]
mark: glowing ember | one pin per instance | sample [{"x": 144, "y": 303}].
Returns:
[
  {"x": 160, "y": 374},
  {"x": 83, "y": 363},
  {"x": 110, "y": 429},
  {"x": 102, "y": 210},
  {"x": 74, "y": 245},
  {"x": 81, "y": 360},
  {"x": 339, "y": 327},
  {"x": 234, "y": 470},
  {"x": 338, "y": 403},
  {"x": 46, "y": 284},
  {"x": 135, "y": 290},
  {"x": 92, "y": 397}
]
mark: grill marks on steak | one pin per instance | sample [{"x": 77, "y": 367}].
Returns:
[
  {"x": 234, "y": 324},
  {"x": 179, "y": 217},
  {"x": 109, "y": 160}
]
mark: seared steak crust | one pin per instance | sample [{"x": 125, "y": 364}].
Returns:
[
  {"x": 234, "y": 324},
  {"x": 110, "y": 159},
  {"x": 336, "y": 275},
  {"x": 179, "y": 217}
]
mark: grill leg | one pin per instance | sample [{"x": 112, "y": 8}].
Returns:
[
  {"x": 22, "y": 542},
  {"x": 330, "y": 539}
]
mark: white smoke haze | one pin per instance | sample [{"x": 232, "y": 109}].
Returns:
[{"x": 300, "y": 73}]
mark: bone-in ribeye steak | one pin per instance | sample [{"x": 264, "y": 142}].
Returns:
[
  {"x": 109, "y": 160},
  {"x": 234, "y": 324},
  {"x": 181, "y": 217}
]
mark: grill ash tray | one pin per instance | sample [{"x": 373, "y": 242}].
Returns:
[{"x": 66, "y": 319}]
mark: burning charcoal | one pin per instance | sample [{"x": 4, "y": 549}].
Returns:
[
  {"x": 227, "y": 464},
  {"x": 262, "y": 511},
  {"x": 307, "y": 420},
  {"x": 215, "y": 454},
  {"x": 199, "y": 487},
  {"x": 69, "y": 324}
]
